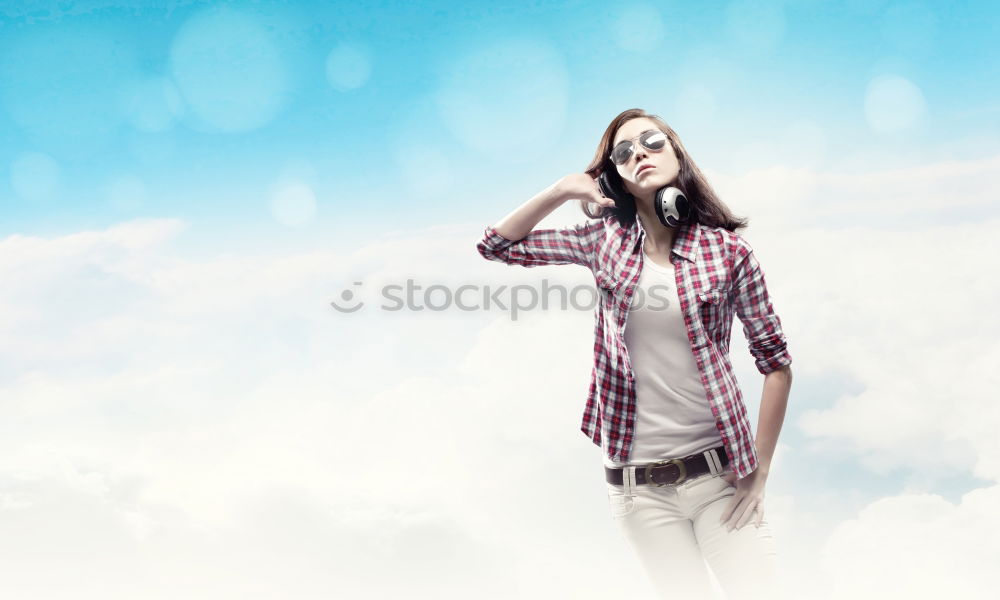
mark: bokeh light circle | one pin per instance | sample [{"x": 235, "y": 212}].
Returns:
[
  {"x": 294, "y": 204},
  {"x": 893, "y": 103},
  {"x": 348, "y": 67},
  {"x": 639, "y": 39},
  {"x": 755, "y": 24},
  {"x": 34, "y": 175},
  {"x": 61, "y": 84},
  {"x": 507, "y": 99},
  {"x": 127, "y": 192},
  {"x": 229, "y": 69}
]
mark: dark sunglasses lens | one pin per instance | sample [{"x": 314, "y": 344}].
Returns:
[
  {"x": 621, "y": 152},
  {"x": 654, "y": 140}
]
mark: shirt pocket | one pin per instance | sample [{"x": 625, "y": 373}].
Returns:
[{"x": 711, "y": 308}]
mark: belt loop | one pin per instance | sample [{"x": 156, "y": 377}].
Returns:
[
  {"x": 628, "y": 479},
  {"x": 714, "y": 464}
]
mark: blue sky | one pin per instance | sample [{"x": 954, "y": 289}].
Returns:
[
  {"x": 117, "y": 97},
  {"x": 185, "y": 187}
]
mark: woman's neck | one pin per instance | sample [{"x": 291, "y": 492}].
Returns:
[{"x": 659, "y": 237}]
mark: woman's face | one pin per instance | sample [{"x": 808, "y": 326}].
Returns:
[{"x": 665, "y": 167}]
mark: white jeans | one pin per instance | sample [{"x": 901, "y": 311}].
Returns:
[{"x": 675, "y": 531}]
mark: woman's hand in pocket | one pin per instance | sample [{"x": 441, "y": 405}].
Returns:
[
  {"x": 748, "y": 501},
  {"x": 730, "y": 476}
]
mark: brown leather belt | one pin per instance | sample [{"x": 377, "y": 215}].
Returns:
[{"x": 668, "y": 472}]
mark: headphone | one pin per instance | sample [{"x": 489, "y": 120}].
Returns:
[{"x": 670, "y": 205}]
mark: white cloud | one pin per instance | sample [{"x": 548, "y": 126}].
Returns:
[
  {"x": 918, "y": 546},
  {"x": 780, "y": 198},
  {"x": 221, "y": 409},
  {"x": 900, "y": 307},
  {"x": 215, "y": 413}
]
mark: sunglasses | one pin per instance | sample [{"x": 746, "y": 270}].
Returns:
[{"x": 653, "y": 139}]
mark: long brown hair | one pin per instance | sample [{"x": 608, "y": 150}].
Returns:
[{"x": 706, "y": 207}]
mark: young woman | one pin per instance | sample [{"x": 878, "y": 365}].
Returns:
[{"x": 683, "y": 469}]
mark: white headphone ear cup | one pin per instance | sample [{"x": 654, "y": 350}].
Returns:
[{"x": 671, "y": 206}]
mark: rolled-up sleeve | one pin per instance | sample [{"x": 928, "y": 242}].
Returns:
[
  {"x": 576, "y": 244},
  {"x": 761, "y": 325}
]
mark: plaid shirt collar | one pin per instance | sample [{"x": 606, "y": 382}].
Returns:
[{"x": 685, "y": 244}]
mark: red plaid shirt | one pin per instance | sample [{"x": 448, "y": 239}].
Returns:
[{"x": 716, "y": 274}]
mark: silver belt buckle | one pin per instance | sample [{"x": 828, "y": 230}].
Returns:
[{"x": 680, "y": 467}]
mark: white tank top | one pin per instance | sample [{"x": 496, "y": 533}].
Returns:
[{"x": 673, "y": 418}]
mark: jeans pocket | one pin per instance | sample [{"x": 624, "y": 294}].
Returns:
[
  {"x": 699, "y": 480},
  {"x": 718, "y": 489},
  {"x": 620, "y": 504}
]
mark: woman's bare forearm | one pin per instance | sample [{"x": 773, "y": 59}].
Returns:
[
  {"x": 519, "y": 223},
  {"x": 773, "y": 402}
]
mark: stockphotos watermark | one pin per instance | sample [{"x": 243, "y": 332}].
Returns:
[{"x": 514, "y": 299}]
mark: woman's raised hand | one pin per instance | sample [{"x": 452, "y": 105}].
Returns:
[{"x": 583, "y": 187}]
